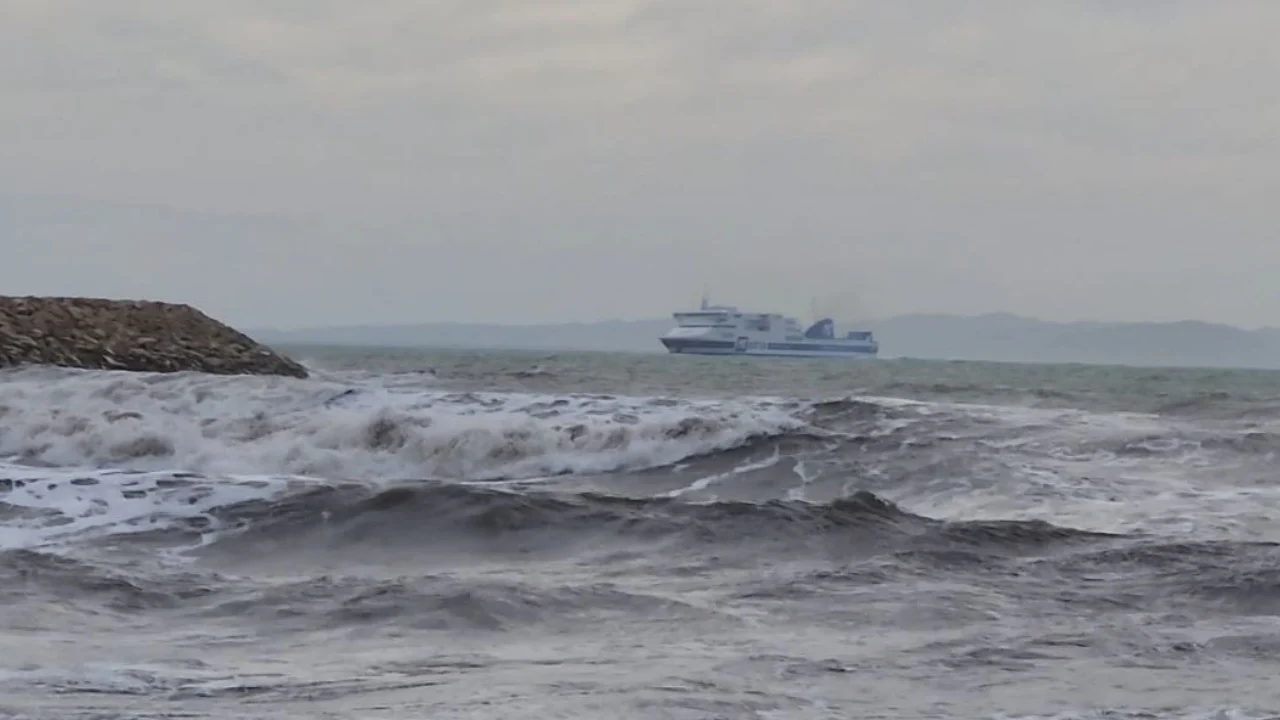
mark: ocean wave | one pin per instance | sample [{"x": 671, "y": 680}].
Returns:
[
  {"x": 102, "y": 453},
  {"x": 441, "y": 602},
  {"x": 325, "y": 429},
  {"x": 188, "y": 509},
  {"x": 92, "y": 586},
  {"x": 858, "y": 540},
  {"x": 1173, "y": 441},
  {"x": 1237, "y": 577},
  {"x": 440, "y": 518}
]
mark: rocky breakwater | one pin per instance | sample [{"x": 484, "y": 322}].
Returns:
[{"x": 141, "y": 336}]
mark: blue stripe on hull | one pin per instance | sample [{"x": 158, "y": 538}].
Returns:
[
  {"x": 698, "y": 346},
  {"x": 777, "y": 354},
  {"x": 816, "y": 349},
  {"x": 717, "y": 347}
]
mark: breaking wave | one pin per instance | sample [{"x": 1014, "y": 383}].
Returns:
[
  {"x": 92, "y": 454},
  {"x": 231, "y": 426},
  {"x": 983, "y": 527}
]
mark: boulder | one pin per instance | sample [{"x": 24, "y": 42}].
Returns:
[{"x": 142, "y": 336}]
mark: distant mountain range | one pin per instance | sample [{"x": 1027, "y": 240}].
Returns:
[{"x": 998, "y": 337}]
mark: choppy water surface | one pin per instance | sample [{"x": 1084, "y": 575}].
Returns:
[{"x": 498, "y": 535}]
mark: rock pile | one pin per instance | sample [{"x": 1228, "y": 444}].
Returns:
[{"x": 133, "y": 335}]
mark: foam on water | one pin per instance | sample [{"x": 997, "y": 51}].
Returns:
[
  {"x": 88, "y": 453},
  {"x": 65, "y": 505},
  {"x": 1162, "y": 713},
  {"x": 708, "y": 480},
  {"x": 247, "y": 437},
  {"x": 789, "y": 558},
  {"x": 367, "y": 430}
]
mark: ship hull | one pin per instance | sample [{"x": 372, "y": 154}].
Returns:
[{"x": 682, "y": 346}]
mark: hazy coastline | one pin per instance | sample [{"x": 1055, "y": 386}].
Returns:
[{"x": 990, "y": 337}]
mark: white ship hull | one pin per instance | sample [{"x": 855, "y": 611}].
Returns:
[
  {"x": 717, "y": 330},
  {"x": 688, "y": 346}
]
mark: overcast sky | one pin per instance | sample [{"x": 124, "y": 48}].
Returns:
[{"x": 299, "y": 162}]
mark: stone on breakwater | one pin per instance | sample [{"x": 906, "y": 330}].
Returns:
[{"x": 142, "y": 336}]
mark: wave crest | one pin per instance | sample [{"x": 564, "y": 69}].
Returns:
[{"x": 237, "y": 426}]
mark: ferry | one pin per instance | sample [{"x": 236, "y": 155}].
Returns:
[{"x": 726, "y": 330}]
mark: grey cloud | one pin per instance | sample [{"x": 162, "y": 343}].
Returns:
[{"x": 608, "y": 157}]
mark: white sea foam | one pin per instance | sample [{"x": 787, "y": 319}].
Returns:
[
  {"x": 97, "y": 452},
  {"x": 362, "y": 430},
  {"x": 56, "y": 505},
  {"x": 246, "y": 436}
]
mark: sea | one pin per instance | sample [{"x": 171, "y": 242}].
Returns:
[{"x": 465, "y": 534}]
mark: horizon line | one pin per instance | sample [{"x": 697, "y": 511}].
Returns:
[{"x": 622, "y": 321}]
